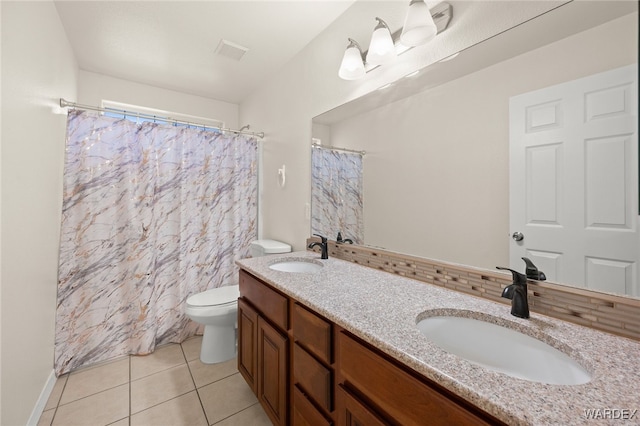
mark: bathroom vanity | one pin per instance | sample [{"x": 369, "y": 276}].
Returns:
[{"x": 339, "y": 345}]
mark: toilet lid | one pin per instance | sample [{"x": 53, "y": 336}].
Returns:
[{"x": 215, "y": 296}]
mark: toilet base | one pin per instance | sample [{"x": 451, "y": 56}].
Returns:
[{"x": 218, "y": 344}]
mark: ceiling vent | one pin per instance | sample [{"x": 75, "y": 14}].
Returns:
[{"x": 231, "y": 50}]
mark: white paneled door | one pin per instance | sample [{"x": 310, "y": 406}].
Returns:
[{"x": 574, "y": 181}]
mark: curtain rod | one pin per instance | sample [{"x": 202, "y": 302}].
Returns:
[
  {"x": 317, "y": 145},
  {"x": 66, "y": 104}
]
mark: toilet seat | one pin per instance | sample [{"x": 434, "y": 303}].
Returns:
[{"x": 215, "y": 297}]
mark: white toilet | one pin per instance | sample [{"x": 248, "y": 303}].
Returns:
[{"x": 217, "y": 309}]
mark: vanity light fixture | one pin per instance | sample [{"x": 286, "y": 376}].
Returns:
[
  {"x": 381, "y": 48},
  {"x": 385, "y": 46},
  {"x": 352, "y": 66},
  {"x": 419, "y": 27}
]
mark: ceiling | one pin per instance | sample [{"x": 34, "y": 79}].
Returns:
[{"x": 172, "y": 44}]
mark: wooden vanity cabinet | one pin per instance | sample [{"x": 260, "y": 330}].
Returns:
[
  {"x": 307, "y": 371},
  {"x": 263, "y": 345}
]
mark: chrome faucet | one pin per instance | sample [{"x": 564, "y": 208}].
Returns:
[
  {"x": 517, "y": 292},
  {"x": 323, "y": 246}
]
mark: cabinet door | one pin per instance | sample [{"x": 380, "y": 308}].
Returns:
[
  {"x": 247, "y": 344},
  {"x": 272, "y": 372},
  {"x": 352, "y": 412}
]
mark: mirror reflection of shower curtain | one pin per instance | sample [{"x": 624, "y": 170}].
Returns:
[
  {"x": 151, "y": 214},
  {"x": 336, "y": 194}
]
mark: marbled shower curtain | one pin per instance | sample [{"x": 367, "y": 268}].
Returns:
[
  {"x": 336, "y": 194},
  {"x": 152, "y": 213}
]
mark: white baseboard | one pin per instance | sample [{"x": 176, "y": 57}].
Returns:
[{"x": 42, "y": 400}]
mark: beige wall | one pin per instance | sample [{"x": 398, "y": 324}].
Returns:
[
  {"x": 38, "y": 67},
  {"x": 437, "y": 168},
  {"x": 94, "y": 88}
]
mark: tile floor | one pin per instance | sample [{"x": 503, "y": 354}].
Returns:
[{"x": 168, "y": 387}]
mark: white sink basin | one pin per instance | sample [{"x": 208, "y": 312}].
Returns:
[
  {"x": 306, "y": 265},
  {"x": 503, "y": 350}
]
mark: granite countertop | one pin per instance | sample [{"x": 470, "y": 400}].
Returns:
[{"x": 383, "y": 308}]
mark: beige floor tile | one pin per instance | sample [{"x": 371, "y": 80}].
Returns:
[
  {"x": 226, "y": 397},
  {"x": 98, "y": 409},
  {"x": 123, "y": 422},
  {"x": 191, "y": 347},
  {"x": 204, "y": 374},
  {"x": 162, "y": 358},
  {"x": 96, "y": 379},
  {"x": 46, "y": 418},
  {"x": 56, "y": 392},
  {"x": 254, "y": 416},
  {"x": 160, "y": 387},
  {"x": 182, "y": 411}
]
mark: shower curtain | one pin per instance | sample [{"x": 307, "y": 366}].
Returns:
[
  {"x": 336, "y": 194},
  {"x": 152, "y": 213}
]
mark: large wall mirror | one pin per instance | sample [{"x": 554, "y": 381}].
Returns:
[{"x": 436, "y": 173}]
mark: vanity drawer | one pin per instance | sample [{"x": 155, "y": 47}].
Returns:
[
  {"x": 392, "y": 390},
  {"x": 269, "y": 302},
  {"x": 312, "y": 332},
  {"x": 312, "y": 377},
  {"x": 304, "y": 413}
]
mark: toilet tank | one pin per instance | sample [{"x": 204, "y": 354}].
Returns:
[{"x": 265, "y": 247}]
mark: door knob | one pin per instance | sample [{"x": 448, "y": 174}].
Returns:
[{"x": 518, "y": 236}]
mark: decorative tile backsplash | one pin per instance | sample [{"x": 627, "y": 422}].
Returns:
[{"x": 614, "y": 314}]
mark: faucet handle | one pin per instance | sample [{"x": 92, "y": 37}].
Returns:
[
  {"x": 518, "y": 278},
  {"x": 532, "y": 271},
  {"x": 323, "y": 239}
]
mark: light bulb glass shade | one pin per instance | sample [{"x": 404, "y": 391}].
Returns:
[
  {"x": 419, "y": 27},
  {"x": 352, "y": 66},
  {"x": 381, "y": 48}
]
